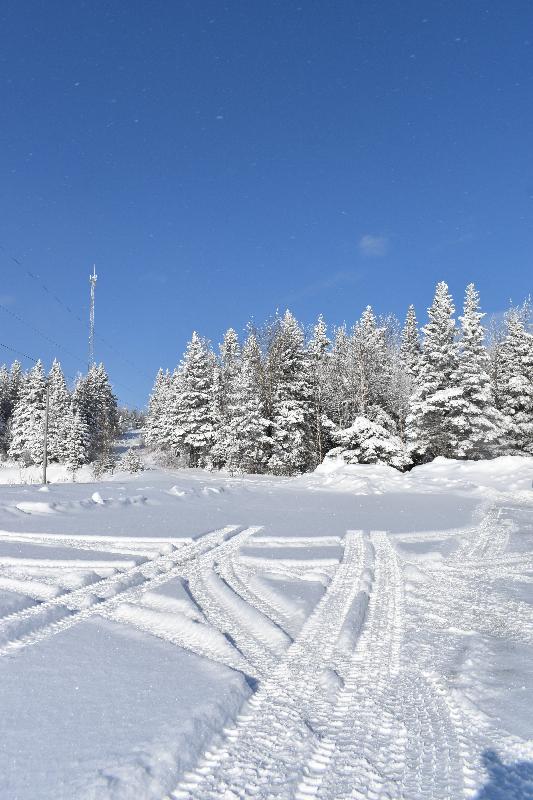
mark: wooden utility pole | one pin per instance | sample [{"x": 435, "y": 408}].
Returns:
[{"x": 45, "y": 452}]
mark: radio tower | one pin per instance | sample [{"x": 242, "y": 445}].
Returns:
[{"x": 92, "y": 279}]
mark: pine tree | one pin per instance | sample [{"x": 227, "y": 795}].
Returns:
[
  {"x": 292, "y": 412},
  {"x": 428, "y": 431},
  {"x": 475, "y": 425},
  {"x": 59, "y": 404},
  {"x": 27, "y": 429},
  {"x": 514, "y": 382},
  {"x": 194, "y": 432}
]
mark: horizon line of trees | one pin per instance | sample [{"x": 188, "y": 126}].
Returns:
[
  {"x": 376, "y": 393},
  {"x": 82, "y": 423}
]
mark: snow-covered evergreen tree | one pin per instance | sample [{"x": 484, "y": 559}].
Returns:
[
  {"x": 368, "y": 369},
  {"x": 59, "y": 404},
  {"x": 475, "y": 426},
  {"x": 5, "y": 407},
  {"x": 17, "y": 378},
  {"x": 95, "y": 402},
  {"x": 368, "y": 442},
  {"x": 337, "y": 402},
  {"x": 224, "y": 396},
  {"x": 131, "y": 461},
  {"x": 27, "y": 428},
  {"x": 247, "y": 439},
  {"x": 292, "y": 411},
  {"x": 156, "y": 429},
  {"x": 194, "y": 432},
  {"x": 76, "y": 447},
  {"x": 10, "y": 387},
  {"x": 318, "y": 349},
  {"x": 410, "y": 350},
  {"x": 427, "y": 429},
  {"x": 513, "y": 385}
]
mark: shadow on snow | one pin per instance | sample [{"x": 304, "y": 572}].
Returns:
[{"x": 506, "y": 781}]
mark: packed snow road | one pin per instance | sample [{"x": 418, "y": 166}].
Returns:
[{"x": 355, "y": 633}]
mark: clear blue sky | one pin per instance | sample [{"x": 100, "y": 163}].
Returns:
[{"x": 219, "y": 160}]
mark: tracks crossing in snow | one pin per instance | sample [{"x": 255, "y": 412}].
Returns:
[{"x": 32, "y": 625}]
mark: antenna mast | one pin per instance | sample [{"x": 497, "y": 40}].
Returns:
[{"x": 92, "y": 279}]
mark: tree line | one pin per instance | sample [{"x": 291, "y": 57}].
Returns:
[
  {"x": 82, "y": 426},
  {"x": 375, "y": 393}
]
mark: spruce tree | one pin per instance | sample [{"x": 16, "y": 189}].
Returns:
[
  {"x": 27, "y": 429},
  {"x": 247, "y": 439},
  {"x": 224, "y": 396},
  {"x": 194, "y": 432},
  {"x": 95, "y": 402},
  {"x": 76, "y": 446},
  {"x": 475, "y": 425},
  {"x": 59, "y": 404},
  {"x": 410, "y": 350},
  {"x": 427, "y": 427},
  {"x": 338, "y": 406},
  {"x": 155, "y": 427},
  {"x": 5, "y": 407},
  {"x": 292, "y": 411},
  {"x": 514, "y": 384},
  {"x": 372, "y": 366},
  {"x": 318, "y": 349},
  {"x": 17, "y": 378}
]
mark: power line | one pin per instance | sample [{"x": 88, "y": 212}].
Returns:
[
  {"x": 77, "y": 358},
  {"x": 35, "y": 360},
  {"x": 59, "y": 301},
  {"x": 39, "y": 332},
  {"x": 31, "y": 358}
]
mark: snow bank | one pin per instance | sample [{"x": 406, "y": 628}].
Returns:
[{"x": 505, "y": 474}]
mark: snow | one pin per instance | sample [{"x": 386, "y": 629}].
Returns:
[
  {"x": 107, "y": 712},
  {"x": 353, "y": 632}
]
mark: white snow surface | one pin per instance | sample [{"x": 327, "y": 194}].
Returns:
[{"x": 353, "y": 633}]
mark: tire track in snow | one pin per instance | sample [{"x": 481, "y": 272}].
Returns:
[
  {"x": 260, "y": 640},
  {"x": 458, "y": 595},
  {"x": 391, "y": 733},
  {"x": 488, "y": 540},
  {"x": 260, "y": 754},
  {"x": 36, "y": 623}
]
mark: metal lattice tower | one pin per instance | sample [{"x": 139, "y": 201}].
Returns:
[{"x": 92, "y": 279}]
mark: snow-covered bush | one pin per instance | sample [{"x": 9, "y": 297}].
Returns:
[{"x": 368, "y": 442}]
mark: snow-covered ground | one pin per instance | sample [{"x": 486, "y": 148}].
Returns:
[{"x": 354, "y": 633}]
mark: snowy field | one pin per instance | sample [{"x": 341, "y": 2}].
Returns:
[{"x": 354, "y": 633}]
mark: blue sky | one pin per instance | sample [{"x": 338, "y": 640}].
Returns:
[{"x": 219, "y": 160}]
